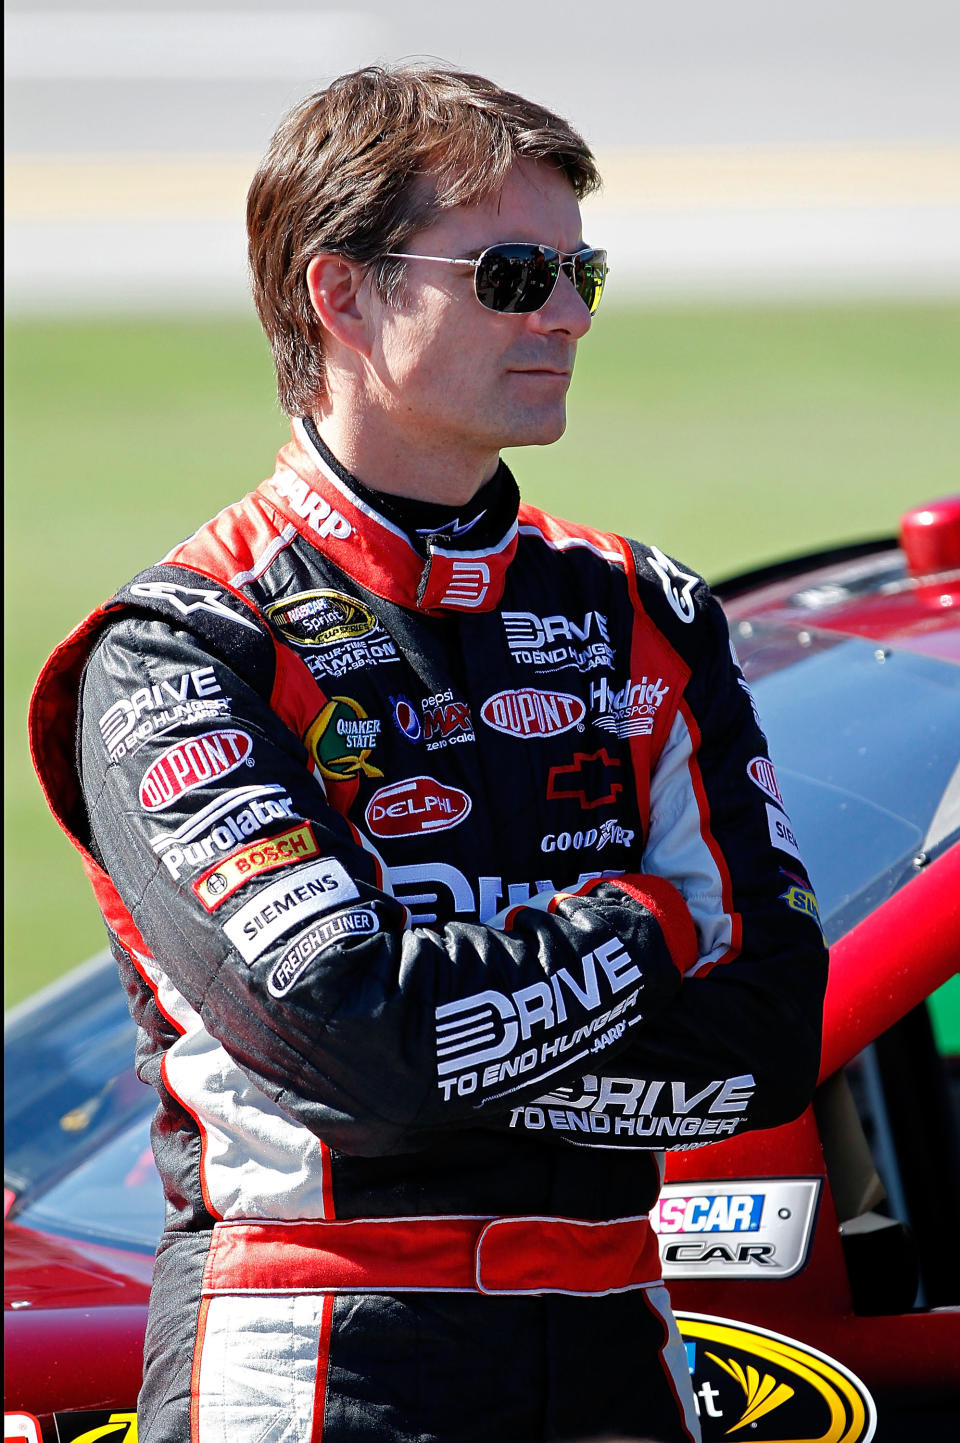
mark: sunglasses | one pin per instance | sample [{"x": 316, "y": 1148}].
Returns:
[{"x": 515, "y": 278}]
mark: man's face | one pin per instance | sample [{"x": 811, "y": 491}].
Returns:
[{"x": 452, "y": 376}]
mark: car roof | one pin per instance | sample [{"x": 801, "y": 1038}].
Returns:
[{"x": 902, "y": 593}]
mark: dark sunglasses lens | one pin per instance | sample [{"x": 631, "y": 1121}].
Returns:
[
  {"x": 589, "y": 274},
  {"x": 516, "y": 278}
]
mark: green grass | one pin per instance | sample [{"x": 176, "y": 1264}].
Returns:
[{"x": 728, "y": 435}]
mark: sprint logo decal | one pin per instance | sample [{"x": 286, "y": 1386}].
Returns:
[
  {"x": 750, "y": 1382},
  {"x": 90, "y": 1426}
]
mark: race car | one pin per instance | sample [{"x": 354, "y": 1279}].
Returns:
[{"x": 812, "y": 1267}]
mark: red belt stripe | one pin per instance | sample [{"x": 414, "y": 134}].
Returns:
[{"x": 455, "y": 1254}]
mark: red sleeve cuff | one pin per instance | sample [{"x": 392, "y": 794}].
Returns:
[{"x": 665, "y": 903}]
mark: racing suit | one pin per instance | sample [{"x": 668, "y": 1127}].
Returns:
[{"x": 449, "y": 881}]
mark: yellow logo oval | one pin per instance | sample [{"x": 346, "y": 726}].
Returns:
[
  {"x": 751, "y": 1383},
  {"x": 322, "y": 618}
]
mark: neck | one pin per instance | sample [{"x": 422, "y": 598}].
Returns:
[{"x": 373, "y": 450}]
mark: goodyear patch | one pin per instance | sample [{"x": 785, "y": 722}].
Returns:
[
  {"x": 774, "y": 1388},
  {"x": 90, "y": 1425},
  {"x": 322, "y": 618},
  {"x": 266, "y": 855}
]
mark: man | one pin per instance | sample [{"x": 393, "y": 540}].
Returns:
[{"x": 427, "y": 837}]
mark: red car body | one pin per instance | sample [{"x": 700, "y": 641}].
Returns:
[{"x": 813, "y": 1267}]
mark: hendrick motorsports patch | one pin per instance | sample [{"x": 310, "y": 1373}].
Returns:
[
  {"x": 751, "y": 1383},
  {"x": 84, "y": 1427}
]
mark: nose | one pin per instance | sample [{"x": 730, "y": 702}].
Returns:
[{"x": 565, "y": 311}]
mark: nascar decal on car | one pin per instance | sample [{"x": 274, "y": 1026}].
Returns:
[
  {"x": 191, "y": 764},
  {"x": 278, "y": 908},
  {"x": 609, "y": 832},
  {"x": 441, "y": 721},
  {"x": 592, "y": 779},
  {"x": 231, "y": 818},
  {"x": 341, "y": 738},
  {"x": 556, "y": 643},
  {"x": 129, "y": 721},
  {"x": 228, "y": 876},
  {"x": 309, "y": 506},
  {"x": 677, "y": 585},
  {"x": 630, "y": 711},
  {"x": 761, "y": 772},
  {"x": 488, "y": 1039},
  {"x": 415, "y": 806},
  {"x": 750, "y": 1382},
  {"x": 95, "y": 1425},
  {"x": 341, "y": 927},
  {"x": 742, "y": 1229},
  {"x": 800, "y": 898},
  {"x": 531, "y": 713},
  {"x": 781, "y": 832},
  {"x": 644, "y": 1110},
  {"x": 187, "y": 599}
]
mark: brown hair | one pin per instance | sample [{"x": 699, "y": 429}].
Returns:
[{"x": 360, "y": 167}]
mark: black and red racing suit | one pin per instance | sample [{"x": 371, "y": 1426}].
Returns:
[{"x": 449, "y": 882}]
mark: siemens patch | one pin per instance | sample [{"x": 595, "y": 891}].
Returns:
[{"x": 279, "y": 907}]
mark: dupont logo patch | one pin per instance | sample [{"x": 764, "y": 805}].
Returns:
[
  {"x": 190, "y": 764},
  {"x": 221, "y": 881},
  {"x": 529, "y": 712},
  {"x": 761, "y": 773},
  {"x": 416, "y": 806}
]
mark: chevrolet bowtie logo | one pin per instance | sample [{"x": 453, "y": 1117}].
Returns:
[{"x": 589, "y": 779}]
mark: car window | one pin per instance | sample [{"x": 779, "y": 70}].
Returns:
[
  {"x": 112, "y": 1197},
  {"x": 866, "y": 748}
]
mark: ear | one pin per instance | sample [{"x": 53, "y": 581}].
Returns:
[{"x": 334, "y": 284}]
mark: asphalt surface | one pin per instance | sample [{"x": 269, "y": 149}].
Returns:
[{"x": 749, "y": 146}]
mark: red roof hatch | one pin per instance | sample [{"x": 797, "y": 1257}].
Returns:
[{"x": 930, "y": 536}]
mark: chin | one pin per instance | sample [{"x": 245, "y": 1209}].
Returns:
[{"x": 539, "y": 431}]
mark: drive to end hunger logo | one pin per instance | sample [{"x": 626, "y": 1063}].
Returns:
[{"x": 776, "y": 1389}]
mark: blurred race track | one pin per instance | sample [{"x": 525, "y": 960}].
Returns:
[{"x": 749, "y": 147}]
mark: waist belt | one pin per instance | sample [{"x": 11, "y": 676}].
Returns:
[{"x": 450, "y": 1254}]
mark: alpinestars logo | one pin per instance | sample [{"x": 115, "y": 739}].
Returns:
[
  {"x": 677, "y": 585},
  {"x": 207, "y": 599}
]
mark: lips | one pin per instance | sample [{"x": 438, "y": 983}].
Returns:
[{"x": 542, "y": 371}]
